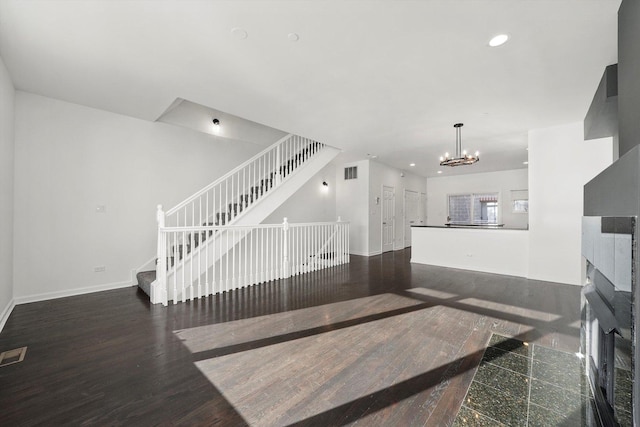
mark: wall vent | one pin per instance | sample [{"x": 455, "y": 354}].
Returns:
[
  {"x": 351, "y": 172},
  {"x": 12, "y": 356}
]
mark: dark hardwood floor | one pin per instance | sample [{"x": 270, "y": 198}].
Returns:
[{"x": 377, "y": 342}]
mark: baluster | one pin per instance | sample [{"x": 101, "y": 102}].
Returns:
[
  {"x": 215, "y": 239},
  {"x": 286, "y": 270},
  {"x": 206, "y": 265},
  {"x": 339, "y": 241},
  {"x": 316, "y": 246},
  {"x": 253, "y": 271},
  {"x": 278, "y": 165},
  {"x": 161, "y": 263},
  {"x": 175, "y": 268},
  {"x": 191, "y": 262},
  {"x": 233, "y": 264},
  {"x": 269, "y": 255},
  {"x": 184, "y": 253},
  {"x": 262, "y": 257},
  {"x": 226, "y": 255},
  {"x": 246, "y": 260},
  {"x": 226, "y": 199},
  {"x": 307, "y": 249}
]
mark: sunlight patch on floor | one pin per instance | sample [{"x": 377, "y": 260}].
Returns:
[
  {"x": 294, "y": 380},
  {"x": 236, "y": 332}
]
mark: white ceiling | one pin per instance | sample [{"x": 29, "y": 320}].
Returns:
[{"x": 384, "y": 77}]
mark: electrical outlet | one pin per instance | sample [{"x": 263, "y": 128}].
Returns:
[{"x": 99, "y": 269}]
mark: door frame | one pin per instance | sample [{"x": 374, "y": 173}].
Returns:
[{"x": 393, "y": 219}]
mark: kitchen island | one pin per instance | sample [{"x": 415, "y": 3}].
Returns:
[{"x": 489, "y": 249}]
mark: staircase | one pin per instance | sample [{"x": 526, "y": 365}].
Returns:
[{"x": 200, "y": 237}]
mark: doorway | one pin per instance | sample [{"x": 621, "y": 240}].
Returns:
[{"x": 388, "y": 217}]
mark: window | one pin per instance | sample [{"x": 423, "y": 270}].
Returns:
[
  {"x": 520, "y": 201},
  {"x": 476, "y": 209},
  {"x": 351, "y": 172}
]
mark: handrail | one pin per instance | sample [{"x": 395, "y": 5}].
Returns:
[
  {"x": 226, "y": 176},
  {"x": 241, "y": 227}
]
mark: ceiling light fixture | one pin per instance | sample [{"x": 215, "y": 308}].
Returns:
[
  {"x": 412, "y": 164},
  {"x": 498, "y": 40},
  {"x": 461, "y": 158},
  {"x": 216, "y": 123}
]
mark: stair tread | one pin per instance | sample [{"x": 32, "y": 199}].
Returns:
[{"x": 145, "y": 278}]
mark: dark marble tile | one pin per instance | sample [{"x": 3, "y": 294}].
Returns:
[
  {"x": 510, "y": 344},
  {"x": 503, "y": 379},
  {"x": 555, "y": 398},
  {"x": 625, "y": 419},
  {"x": 623, "y": 392},
  {"x": 556, "y": 357},
  {"x": 571, "y": 378},
  {"x": 542, "y": 417},
  {"x": 468, "y": 417},
  {"x": 500, "y": 406},
  {"x": 506, "y": 360}
]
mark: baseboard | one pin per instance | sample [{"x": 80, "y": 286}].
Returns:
[
  {"x": 71, "y": 292},
  {"x": 6, "y": 313},
  {"x": 365, "y": 253},
  {"x": 358, "y": 253}
]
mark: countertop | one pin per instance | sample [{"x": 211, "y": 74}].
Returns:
[{"x": 471, "y": 227}]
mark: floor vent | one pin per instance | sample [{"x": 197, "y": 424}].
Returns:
[{"x": 12, "y": 356}]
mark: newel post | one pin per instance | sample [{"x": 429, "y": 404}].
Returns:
[
  {"x": 161, "y": 261},
  {"x": 286, "y": 268}
]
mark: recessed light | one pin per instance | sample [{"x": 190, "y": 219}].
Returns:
[
  {"x": 239, "y": 33},
  {"x": 293, "y": 37},
  {"x": 439, "y": 171},
  {"x": 412, "y": 164},
  {"x": 498, "y": 40},
  {"x": 525, "y": 163}
]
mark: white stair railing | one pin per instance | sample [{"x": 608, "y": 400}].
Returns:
[
  {"x": 221, "y": 202},
  {"x": 238, "y": 256}
]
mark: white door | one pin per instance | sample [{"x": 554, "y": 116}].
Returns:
[
  {"x": 411, "y": 214},
  {"x": 388, "y": 219}
]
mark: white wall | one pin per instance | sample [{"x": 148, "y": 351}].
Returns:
[
  {"x": 312, "y": 202},
  {"x": 352, "y": 202},
  {"x": 560, "y": 163},
  {"x": 68, "y": 160},
  {"x": 503, "y": 182},
  {"x": 7, "y": 96},
  {"x": 380, "y": 175}
]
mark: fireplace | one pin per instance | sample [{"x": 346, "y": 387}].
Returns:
[{"x": 609, "y": 247}]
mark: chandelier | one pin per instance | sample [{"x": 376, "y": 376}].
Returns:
[{"x": 461, "y": 159}]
